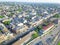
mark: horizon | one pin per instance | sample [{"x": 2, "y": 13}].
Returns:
[{"x": 33, "y": 1}]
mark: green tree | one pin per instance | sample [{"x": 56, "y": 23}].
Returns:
[
  {"x": 6, "y": 22},
  {"x": 34, "y": 35},
  {"x": 58, "y": 43}
]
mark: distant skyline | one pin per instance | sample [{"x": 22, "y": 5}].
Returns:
[{"x": 35, "y": 1}]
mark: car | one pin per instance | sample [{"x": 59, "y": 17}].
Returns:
[
  {"x": 49, "y": 40},
  {"x": 39, "y": 43},
  {"x": 1, "y": 27}
]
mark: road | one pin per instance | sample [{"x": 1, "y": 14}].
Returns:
[
  {"x": 58, "y": 39},
  {"x": 24, "y": 39},
  {"x": 44, "y": 38}
]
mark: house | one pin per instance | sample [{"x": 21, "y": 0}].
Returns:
[
  {"x": 20, "y": 28},
  {"x": 54, "y": 20},
  {"x": 48, "y": 27},
  {"x": 3, "y": 28}
]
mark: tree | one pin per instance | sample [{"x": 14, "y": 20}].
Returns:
[
  {"x": 38, "y": 28},
  {"x": 56, "y": 15},
  {"x": 6, "y": 22},
  {"x": 35, "y": 35}
]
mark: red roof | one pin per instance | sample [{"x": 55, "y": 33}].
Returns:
[{"x": 46, "y": 27}]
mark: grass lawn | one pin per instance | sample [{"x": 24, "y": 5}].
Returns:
[
  {"x": 58, "y": 43},
  {"x": 1, "y": 16},
  {"x": 50, "y": 32},
  {"x": 35, "y": 35}
]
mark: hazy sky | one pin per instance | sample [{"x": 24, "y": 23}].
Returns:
[{"x": 44, "y": 1}]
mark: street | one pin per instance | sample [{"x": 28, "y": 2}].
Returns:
[{"x": 45, "y": 37}]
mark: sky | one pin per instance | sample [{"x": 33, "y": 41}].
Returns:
[{"x": 39, "y": 1}]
